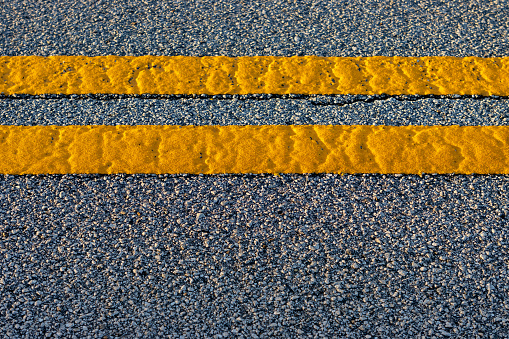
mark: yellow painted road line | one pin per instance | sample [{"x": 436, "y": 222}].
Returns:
[
  {"x": 254, "y": 149},
  {"x": 250, "y": 75}
]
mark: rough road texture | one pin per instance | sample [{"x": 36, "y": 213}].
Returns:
[
  {"x": 89, "y": 286},
  {"x": 255, "y": 110},
  {"x": 249, "y": 75},
  {"x": 263, "y": 27},
  {"x": 254, "y": 256}
]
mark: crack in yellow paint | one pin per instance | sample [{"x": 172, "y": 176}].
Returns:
[
  {"x": 250, "y": 75},
  {"x": 254, "y": 149}
]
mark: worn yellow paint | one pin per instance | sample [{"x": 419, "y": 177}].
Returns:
[
  {"x": 249, "y": 75},
  {"x": 254, "y": 149}
]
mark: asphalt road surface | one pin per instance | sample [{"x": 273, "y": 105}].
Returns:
[{"x": 360, "y": 256}]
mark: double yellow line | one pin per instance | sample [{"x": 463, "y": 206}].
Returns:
[{"x": 254, "y": 149}]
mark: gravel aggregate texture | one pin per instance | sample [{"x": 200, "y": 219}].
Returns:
[
  {"x": 239, "y": 28},
  {"x": 254, "y": 256},
  {"x": 254, "y": 110}
]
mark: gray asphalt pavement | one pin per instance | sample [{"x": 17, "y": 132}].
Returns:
[
  {"x": 227, "y": 256},
  {"x": 260, "y": 110},
  {"x": 255, "y": 256},
  {"x": 263, "y": 27}
]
